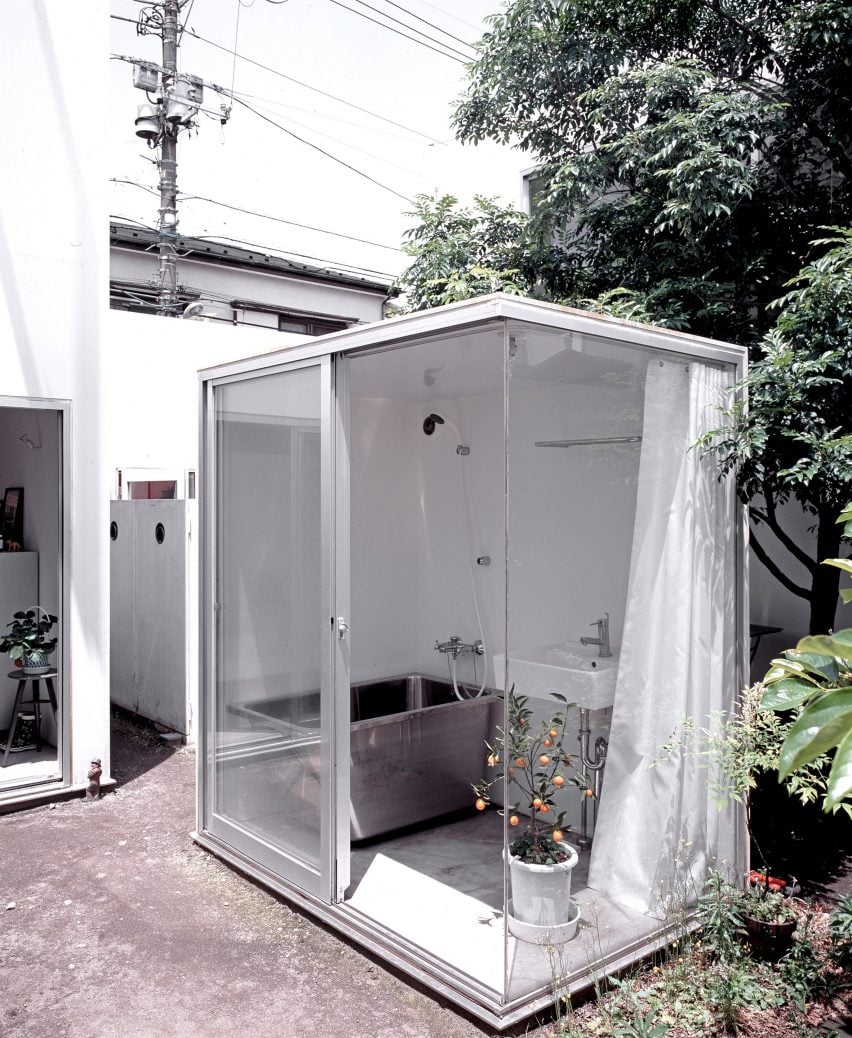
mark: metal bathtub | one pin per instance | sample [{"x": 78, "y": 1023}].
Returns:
[{"x": 415, "y": 748}]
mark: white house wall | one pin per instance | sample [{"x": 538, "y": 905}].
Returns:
[
  {"x": 151, "y": 371},
  {"x": 53, "y": 277},
  {"x": 219, "y": 281}
]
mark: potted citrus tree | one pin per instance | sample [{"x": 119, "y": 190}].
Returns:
[
  {"x": 29, "y": 642},
  {"x": 533, "y": 759},
  {"x": 769, "y": 919}
]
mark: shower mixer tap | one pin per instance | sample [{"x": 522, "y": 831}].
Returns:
[{"x": 455, "y": 647}]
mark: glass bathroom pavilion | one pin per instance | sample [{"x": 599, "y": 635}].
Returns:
[{"x": 508, "y": 473}]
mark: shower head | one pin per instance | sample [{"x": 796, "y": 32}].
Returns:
[{"x": 430, "y": 421}]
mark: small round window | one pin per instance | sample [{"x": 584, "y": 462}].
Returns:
[{"x": 160, "y": 533}]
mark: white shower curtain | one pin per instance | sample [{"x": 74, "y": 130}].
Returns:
[{"x": 657, "y": 827}]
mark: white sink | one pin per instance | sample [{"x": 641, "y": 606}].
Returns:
[{"x": 569, "y": 669}]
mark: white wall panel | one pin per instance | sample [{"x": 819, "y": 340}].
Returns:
[
  {"x": 53, "y": 278},
  {"x": 149, "y": 611}
]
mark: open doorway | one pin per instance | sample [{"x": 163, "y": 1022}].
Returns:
[{"x": 32, "y": 472}]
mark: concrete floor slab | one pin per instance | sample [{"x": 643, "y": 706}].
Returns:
[{"x": 122, "y": 928}]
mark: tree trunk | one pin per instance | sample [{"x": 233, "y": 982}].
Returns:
[{"x": 826, "y": 581}]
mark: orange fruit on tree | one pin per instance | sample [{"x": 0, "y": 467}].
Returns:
[
  {"x": 544, "y": 760},
  {"x": 480, "y": 804},
  {"x": 548, "y": 743},
  {"x": 537, "y": 803},
  {"x": 514, "y": 820},
  {"x": 558, "y": 780},
  {"x": 520, "y": 762},
  {"x": 553, "y": 733},
  {"x": 544, "y": 809},
  {"x": 590, "y": 792},
  {"x": 557, "y": 835}
]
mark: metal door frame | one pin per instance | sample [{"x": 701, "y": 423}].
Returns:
[{"x": 327, "y": 881}]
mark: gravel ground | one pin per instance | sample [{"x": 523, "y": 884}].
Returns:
[{"x": 113, "y": 923}]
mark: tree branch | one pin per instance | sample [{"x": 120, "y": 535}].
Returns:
[
  {"x": 769, "y": 517},
  {"x": 775, "y": 571}
]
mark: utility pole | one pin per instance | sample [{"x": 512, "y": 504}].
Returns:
[
  {"x": 168, "y": 220},
  {"x": 174, "y": 100}
]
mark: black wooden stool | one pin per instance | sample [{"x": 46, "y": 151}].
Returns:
[{"x": 34, "y": 700}]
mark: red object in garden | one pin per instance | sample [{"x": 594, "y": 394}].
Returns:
[{"x": 758, "y": 879}]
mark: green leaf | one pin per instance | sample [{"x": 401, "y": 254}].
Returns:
[
  {"x": 786, "y": 694},
  {"x": 840, "y": 777},
  {"x": 837, "y": 644},
  {"x": 819, "y": 663},
  {"x": 822, "y": 725},
  {"x": 844, "y": 564}
]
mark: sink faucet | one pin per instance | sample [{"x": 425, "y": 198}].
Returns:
[
  {"x": 603, "y": 636},
  {"x": 455, "y": 647}
]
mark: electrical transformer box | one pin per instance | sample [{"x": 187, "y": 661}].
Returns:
[{"x": 145, "y": 77}]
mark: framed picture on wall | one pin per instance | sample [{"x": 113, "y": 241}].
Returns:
[{"x": 13, "y": 516}]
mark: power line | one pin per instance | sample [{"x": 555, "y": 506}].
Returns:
[
  {"x": 130, "y": 219},
  {"x": 426, "y": 21},
  {"x": 292, "y": 223},
  {"x": 188, "y": 13},
  {"x": 322, "y": 115},
  {"x": 449, "y": 14},
  {"x": 307, "y": 86},
  {"x": 263, "y": 216},
  {"x": 419, "y": 32},
  {"x": 346, "y": 144},
  {"x": 322, "y": 151},
  {"x": 390, "y": 28},
  {"x": 224, "y": 91}
]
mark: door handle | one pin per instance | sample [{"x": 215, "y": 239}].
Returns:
[{"x": 342, "y": 627}]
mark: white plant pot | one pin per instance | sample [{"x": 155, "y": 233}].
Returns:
[
  {"x": 545, "y": 936},
  {"x": 541, "y": 894}
]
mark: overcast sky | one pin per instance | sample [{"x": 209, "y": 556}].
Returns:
[{"x": 252, "y": 164}]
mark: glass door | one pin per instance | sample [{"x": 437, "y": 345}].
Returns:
[{"x": 276, "y": 639}]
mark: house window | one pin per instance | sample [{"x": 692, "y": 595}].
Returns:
[
  {"x": 152, "y": 489},
  {"x": 305, "y": 324}
]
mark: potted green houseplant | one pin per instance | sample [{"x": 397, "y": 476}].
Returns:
[
  {"x": 533, "y": 759},
  {"x": 29, "y": 642}
]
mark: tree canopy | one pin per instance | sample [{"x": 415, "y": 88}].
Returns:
[
  {"x": 792, "y": 439},
  {"x": 686, "y": 151}
]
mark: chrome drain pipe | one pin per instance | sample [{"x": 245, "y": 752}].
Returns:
[{"x": 594, "y": 764}]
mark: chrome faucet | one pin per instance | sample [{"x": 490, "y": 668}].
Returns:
[
  {"x": 455, "y": 647},
  {"x": 603, "y": 636}
]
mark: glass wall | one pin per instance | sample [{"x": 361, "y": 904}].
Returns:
[
  {"x": 269, "y": 639},
  {"x": 427, "y": 473},
  {"x": 622, "y": 614}
]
